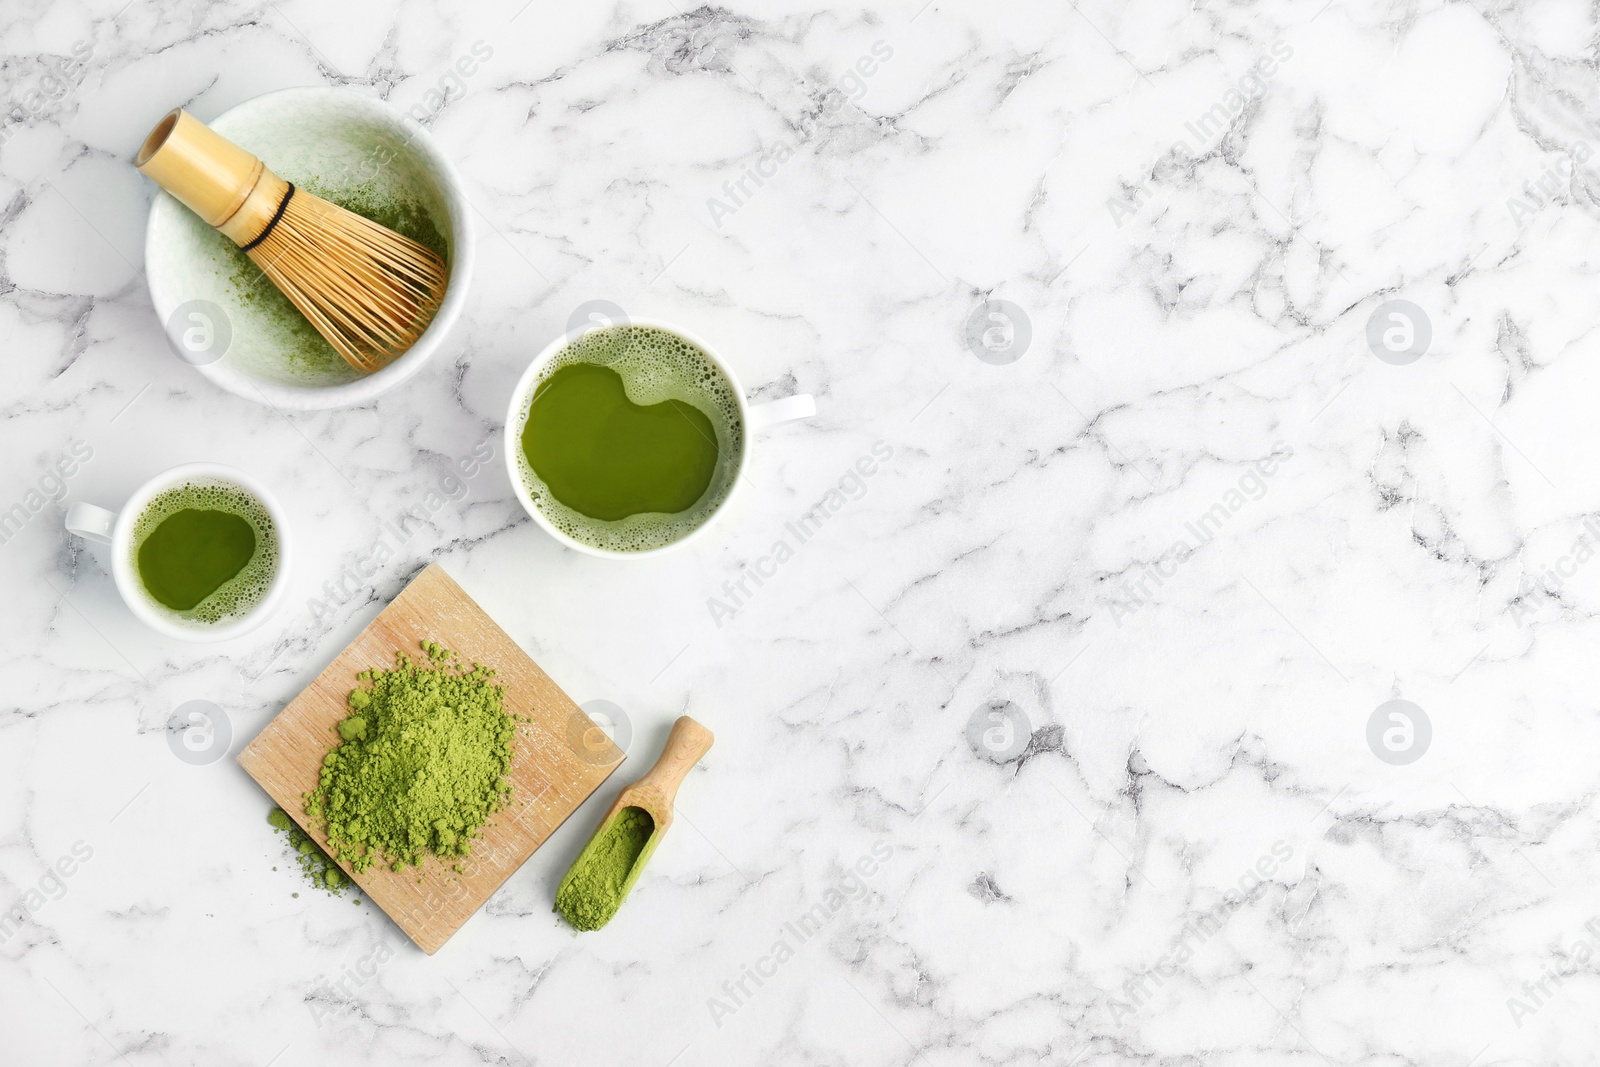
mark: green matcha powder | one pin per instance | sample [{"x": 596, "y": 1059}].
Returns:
[
  {"x": 420, "y": 766},
  {"x": 315, "y": 864},
  {"x": 601, "y": 876}
]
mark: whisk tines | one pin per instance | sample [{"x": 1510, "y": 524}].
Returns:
[{"x": 370, "y": 291}]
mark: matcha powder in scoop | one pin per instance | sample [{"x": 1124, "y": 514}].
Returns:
[
  {"x": 603, "y": 873},
  {"x": 420, "y": 766}
]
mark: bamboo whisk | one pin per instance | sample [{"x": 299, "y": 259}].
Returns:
[{"x": 368, "y": 290}]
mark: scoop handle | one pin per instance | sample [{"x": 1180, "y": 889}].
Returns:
[{"x": 687, "y": 742}]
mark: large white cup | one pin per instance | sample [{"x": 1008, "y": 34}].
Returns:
[
  {"x": 115, "y": 528},
  {"x": 753, "y": 418}
]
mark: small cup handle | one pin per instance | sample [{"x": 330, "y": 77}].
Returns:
[
  {"x": 91, "y": 523},
  {"x": 771, "y": 413}
]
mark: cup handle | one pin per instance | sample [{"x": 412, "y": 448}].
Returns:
[
  {"x": 91, "y": 523},
  {"x": 771, "y": 413}
]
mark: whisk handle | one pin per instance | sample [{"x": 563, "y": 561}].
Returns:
[{"x": 208, "y": 173}]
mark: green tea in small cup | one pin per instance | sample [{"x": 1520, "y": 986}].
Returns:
[
  {"x": 631, "y": 437},
  {"x": 205, "y": 552},
  {"x": 199, "y": 552}
]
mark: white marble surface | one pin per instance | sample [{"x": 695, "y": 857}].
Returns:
[{"x": 1193, "y": 711}]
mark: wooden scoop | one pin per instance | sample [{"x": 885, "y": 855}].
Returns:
[{"x": 653, "y": 794}]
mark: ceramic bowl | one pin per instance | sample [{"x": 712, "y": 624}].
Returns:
[{"x": 225, "y": 318}]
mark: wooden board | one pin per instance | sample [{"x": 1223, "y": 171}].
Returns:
[{"x": 560, "y": 757}]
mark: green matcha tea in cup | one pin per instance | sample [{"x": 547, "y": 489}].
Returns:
[
  {"x": 631, "y": 437},
  {"x": 199, "y": 553}
]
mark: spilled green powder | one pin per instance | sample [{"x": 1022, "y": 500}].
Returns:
[
  {"x": 315, "y": 864},
  {"x": 420, "y": 765},
  {"x": 305, "y": 350},
  {"x": 601, "y": 876}
]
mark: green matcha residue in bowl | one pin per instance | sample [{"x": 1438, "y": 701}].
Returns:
[{"x": 421, "y": 763}]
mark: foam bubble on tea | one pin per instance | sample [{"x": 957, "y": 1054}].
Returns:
[
  {"x": 205, "y": 552},
  {"x": 631, "y": 438}
]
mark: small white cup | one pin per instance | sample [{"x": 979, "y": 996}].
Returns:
[
  {"x": 752, "y": 417},
  {"x": 115, "y": 528}
]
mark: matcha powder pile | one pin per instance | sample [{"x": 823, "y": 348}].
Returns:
[{"x": 420, "y": 766}]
